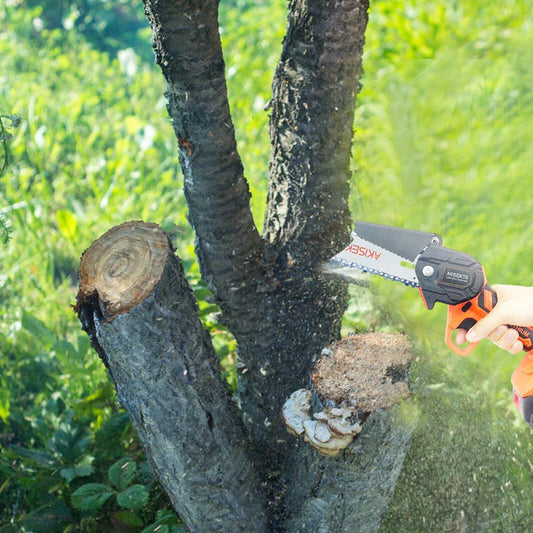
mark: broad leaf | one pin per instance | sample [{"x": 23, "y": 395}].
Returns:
[
  {"x": 84, "y": 468},
  {"x": 91, "y": 496},
  {"x": 166, "y": 522},
  {"x": 37, "y": 328},
  {"x": 122, "y": 473},
  {"x": 43, "y": 459},
  {"x": 133, "y": 497},
  {"x": 128, "y": 518}
]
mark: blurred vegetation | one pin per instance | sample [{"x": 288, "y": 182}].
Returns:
[
  {"x": 442, "y": 143},
  {"x": 5, "y": 137}
]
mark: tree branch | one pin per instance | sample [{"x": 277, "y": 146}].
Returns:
[
  {"x": 140, "y": 314},
  {"x": 188, "y": 50},
  {"x": 311, "y": 127},
  {"x": 280, "y": 312}
]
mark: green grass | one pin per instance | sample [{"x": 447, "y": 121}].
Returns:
[{"x": 442, "y": 143}]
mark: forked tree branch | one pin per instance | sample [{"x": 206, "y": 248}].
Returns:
[{"x": 278, "y": 309}]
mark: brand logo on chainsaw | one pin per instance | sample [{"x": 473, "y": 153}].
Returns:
[
  {"x": 456, "y": 277},
  {"x": 363, "y": 251}
]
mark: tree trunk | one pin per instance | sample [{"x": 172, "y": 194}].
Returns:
[
  {"x": 353, "y": 420},
  {"x": 349, "y": 493},
  {"x": 140, "y": 314},
  {"x": 277, "y": 307},
  {"x": 227, "y": 469}
]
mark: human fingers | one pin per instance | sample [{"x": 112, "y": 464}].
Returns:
[
  {"x": 497, "y": 335},
  {"x": 505, "y": 338},
  {"x": 485, "y": 326},
  {"x": 460, "y": 336},
  {"x": 515, "y": 304}
]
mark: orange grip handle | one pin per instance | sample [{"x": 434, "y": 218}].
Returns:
[
  {"x": 522, "y": 380},
  {"x": 466, "y": 314}
]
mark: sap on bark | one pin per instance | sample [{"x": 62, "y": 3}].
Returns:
[{"x": 353, "y": 378}]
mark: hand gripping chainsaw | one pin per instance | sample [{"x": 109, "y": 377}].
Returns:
[{"x": 418, "y": 259}]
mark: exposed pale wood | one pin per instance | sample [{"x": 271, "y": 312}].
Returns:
[
  {"x": 367, "y": 371},
  {"x": 122, "y": 268},
  {"x": 366, "y": 375}
]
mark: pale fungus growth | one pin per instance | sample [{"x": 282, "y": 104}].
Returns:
[
  {"x": 296, "y": 411},
  {"x": 343, "y": 422},
  {"x": 328, "y": 431},
  {"x": 319, "y": 437},
  {"x": 354, "y": 377}
]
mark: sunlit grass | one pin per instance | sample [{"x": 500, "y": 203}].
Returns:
[{"x": 443, "y": 143}]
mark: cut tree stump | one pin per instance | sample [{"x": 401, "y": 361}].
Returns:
[{"x": 141, "y": 316}]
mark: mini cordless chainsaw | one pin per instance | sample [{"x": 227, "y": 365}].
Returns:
[{"x": 418, "y": 259}]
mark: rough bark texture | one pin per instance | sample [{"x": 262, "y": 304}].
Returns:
[
  {"x": 349, "y": 493},
  {"x": 167, "y": 377},
  {"x": 272, "y": 297},
  {"x": 362, "y": 378},
  {"x": 140, "y": 314},
  {"x": 314, "y": 90},
  {"x": 280, "y": 311}
]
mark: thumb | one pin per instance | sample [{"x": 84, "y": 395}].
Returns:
[{"x": 485, "y": 326}]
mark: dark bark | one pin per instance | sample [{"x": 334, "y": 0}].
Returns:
[
  {"x": 279, "y": 307},
  {"x": 351, "y": 492},
  {"x": 140, "y": 313},
  {"x": 280, "y": 311},
  {"x": 314, "y": 91},
  {"x": 167, "y": 377},
  {"x": 188, "y": 50}
]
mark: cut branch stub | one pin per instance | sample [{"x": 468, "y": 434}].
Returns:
[
  {"x": 121, "y": 268},
  {"x": 141, "y": 315},
  {"x": 364, "y": 372},
  {"x": 353, "y": 378}
]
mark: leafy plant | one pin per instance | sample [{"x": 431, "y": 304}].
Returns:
[
  {"x": 110, "y": 25},
  {"x": 5, "y": 136},
  {"x": 121, "y": 474},
  {"x": 71, "y": 480}
]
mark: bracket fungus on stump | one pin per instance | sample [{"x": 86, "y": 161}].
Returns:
[{"x": 353, "y": 377}]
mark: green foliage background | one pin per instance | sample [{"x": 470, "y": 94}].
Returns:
[{"x": 442, "y": 143}]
